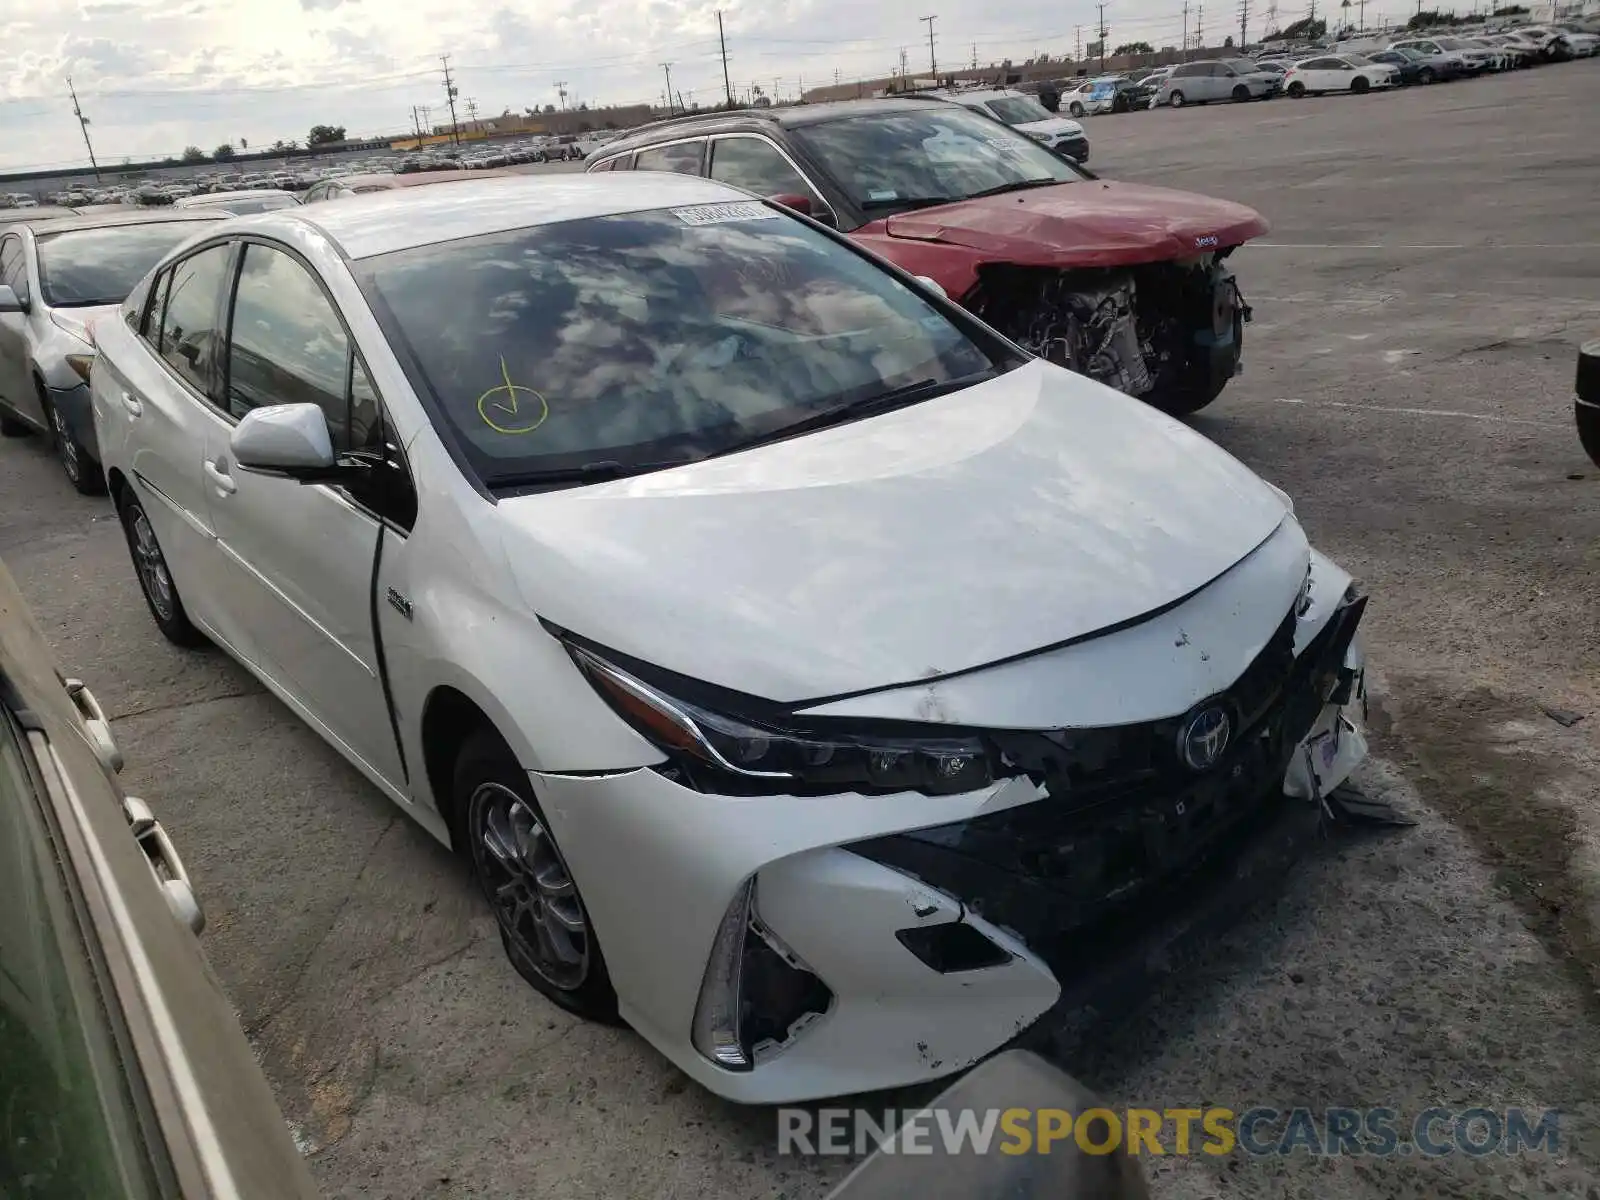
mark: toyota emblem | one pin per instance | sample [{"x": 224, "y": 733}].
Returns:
[{"x": 1204, "y": 737}]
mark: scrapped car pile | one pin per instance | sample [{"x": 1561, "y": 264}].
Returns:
[{"x": 638, "y": 495}]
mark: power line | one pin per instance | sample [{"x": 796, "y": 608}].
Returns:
[
  {"x": 450, "y": 90},
  {"x": 933, "y": 66},
  {"x": 83, "y": 124}
]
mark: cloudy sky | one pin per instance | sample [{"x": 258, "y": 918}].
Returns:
[{"x": 157, "y": 75}]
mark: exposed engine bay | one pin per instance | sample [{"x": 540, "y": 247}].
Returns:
[{"x": 1169, "y": 332}]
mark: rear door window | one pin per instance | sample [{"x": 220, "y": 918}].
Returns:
[
  {"x": 682, "y": 157},
  {"x": 756, "y": 165},
  {"x": 190, "y": 331}
]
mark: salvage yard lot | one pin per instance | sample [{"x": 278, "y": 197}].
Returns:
[{"x": 1433, "y": 264}]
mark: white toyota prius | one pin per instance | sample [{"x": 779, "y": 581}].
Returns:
[{"x": 810, "y": 676}]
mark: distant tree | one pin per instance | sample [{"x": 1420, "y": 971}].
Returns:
[
  {"x": 1306, "y": 29},
  {"x": 1510, "y": 10},
  {"x": 1134, "y": 48},
  {"x": 223, "y": 153},
  {"x": 325, "y": 133},
  {"x": 583, "y": 106},
  {"x": 193, "y": 154},
  {"x": 1227, "y": 41},
  {"x": 169, "y": 161},
  {"x": 244, "y": 143},
  {"x": 549, "y": 108}
]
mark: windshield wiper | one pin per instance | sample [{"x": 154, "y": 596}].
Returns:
[
  {"x": 1014, "y": 186},
  {"x": 868, "y": 406},
  {"x": 590, "y": 472},
  {"x": 908, "y": 202}
]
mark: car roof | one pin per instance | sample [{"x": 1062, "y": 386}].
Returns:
[
  {"x": 237, "y": 194},
  {"x": 981, "y": 94},
  {"x": 790, "y": 117},
  {"x": 414, "y": 179},
  {"x": 108, "y": 220},
  {"x": 382, "y": 222},
  {"x": 23, "y": 216}
]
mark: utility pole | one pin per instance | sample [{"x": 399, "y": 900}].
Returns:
[
  {"x": 472, "y": 112},
  {"x": 1185, "y": 42},
  {"x": 667, "y": 67},
  {"x": 1200, "y": 25},
  {"x": 902, "y": 66},
  {"x": 1077, "y": 51},
  {"x": 561, "y": 93},
  {"x": 1363, "y": 17},
  {"x": 83, "y": 124},
  {"x": 974, "y": 56},
  {"x": 933, "y": 66},
  {"x": 417, "y": 122},
  {"x": 1103, "y": 31},
  {"x": 450, "y": 91},
  {"x": 1272, "y": 16},
  {"x": 726, "y": 86},
  {"x": 1244, "y": 22}
]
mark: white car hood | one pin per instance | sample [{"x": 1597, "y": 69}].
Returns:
[
  {"x": 1033, "y": 509},
  {"x": 76, "y": 321},
  {"x": 1054, "y": 127}
]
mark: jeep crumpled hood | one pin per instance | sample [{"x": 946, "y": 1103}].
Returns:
[
  {"x": 1093, "y": 223},
  {"x": 1032, "y": 509}
]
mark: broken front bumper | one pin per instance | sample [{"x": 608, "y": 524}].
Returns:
[{"x": 865, "y": 942}]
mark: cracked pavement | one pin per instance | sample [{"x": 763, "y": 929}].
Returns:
[{"x": 1433, "y": 264}]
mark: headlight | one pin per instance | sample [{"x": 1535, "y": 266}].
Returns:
[{"x": 716, "y": 751}]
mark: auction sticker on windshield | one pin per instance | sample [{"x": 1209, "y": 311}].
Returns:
[{"x": 718, "y": 214}]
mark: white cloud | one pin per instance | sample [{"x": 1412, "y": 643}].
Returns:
[{"x": 156, "y": 75}]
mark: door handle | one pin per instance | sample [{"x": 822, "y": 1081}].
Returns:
[
  {"x": 165, "y": 863},
  {"x": 132, "y": 404},
  {"x": 220, "y": 479}
]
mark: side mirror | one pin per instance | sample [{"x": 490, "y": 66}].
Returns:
[
  {"x": 933, "y": 286},
  {"x": 9, "y": 302},
  {"x": 284, "y": 439}
]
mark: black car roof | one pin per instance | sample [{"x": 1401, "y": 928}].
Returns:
[{"x": 745, "y": 119}]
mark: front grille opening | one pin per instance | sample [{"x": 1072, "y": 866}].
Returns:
[{"x": 952, "y": 947}]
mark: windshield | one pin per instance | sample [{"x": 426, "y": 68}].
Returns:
[
  {"x": 647, "y": 339},
  {"x": 1450, "y": 43},
  {"x": 937, "y": 154},
  {"x": 1243, "y": 66},
  {"x": 100, "y": 266},
  {"x": 1018, "y": 110},
  {"x": 1358, "y": 60},
  {"x": 250, "y": 204}
]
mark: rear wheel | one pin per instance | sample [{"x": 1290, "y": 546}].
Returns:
[
  {"x": 544, "y": 925},
  {"x": 1176, "y": 99},
  {"x": 1426, "y": 75},
  {"x": 1359, "y": 85},
  {"x": 1297, "y": 89},
  {"x": 1075, "y": 109},
  {"x": 155, "y": 578},
  {"x": 1241, "y": 92}
]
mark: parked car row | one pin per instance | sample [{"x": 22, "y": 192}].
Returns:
[{"x": 419, "y": 396}]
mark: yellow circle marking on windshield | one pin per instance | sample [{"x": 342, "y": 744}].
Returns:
[{"x": 504, "y": 412}]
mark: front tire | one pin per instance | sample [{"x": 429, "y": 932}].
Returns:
[
  {"x": 1297, "y": 89},
  {"x": 1426, "y": 75},
  {"x": 155, "y": 578},
  {"x": 1241, "y": 93},
  {"x": 82, "y": 472},
  {"x": 1359, "y": 85},
  {"x": 1176, "y": 100},
  {"x": 1075, "y": 109},
  {"x": 543, "y": 923}
]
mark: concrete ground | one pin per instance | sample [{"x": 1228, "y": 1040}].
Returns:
[{"x": 1433, "y": 264}]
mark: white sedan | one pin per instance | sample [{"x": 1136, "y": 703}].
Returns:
[
  {"x": 1338, "y": 73},
  {"x": 809, "y": 675}
]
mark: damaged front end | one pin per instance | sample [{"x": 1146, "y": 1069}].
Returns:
[{"x": 1171, "y": 333}]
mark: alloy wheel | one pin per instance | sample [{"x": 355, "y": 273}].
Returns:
[
  {"x": 151, "y": 565},
  {"x": 66, "y": 445},
  {"x": 529, "y": 886}
]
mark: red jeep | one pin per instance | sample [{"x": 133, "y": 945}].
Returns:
[{"x": 1120, "y": 282}]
